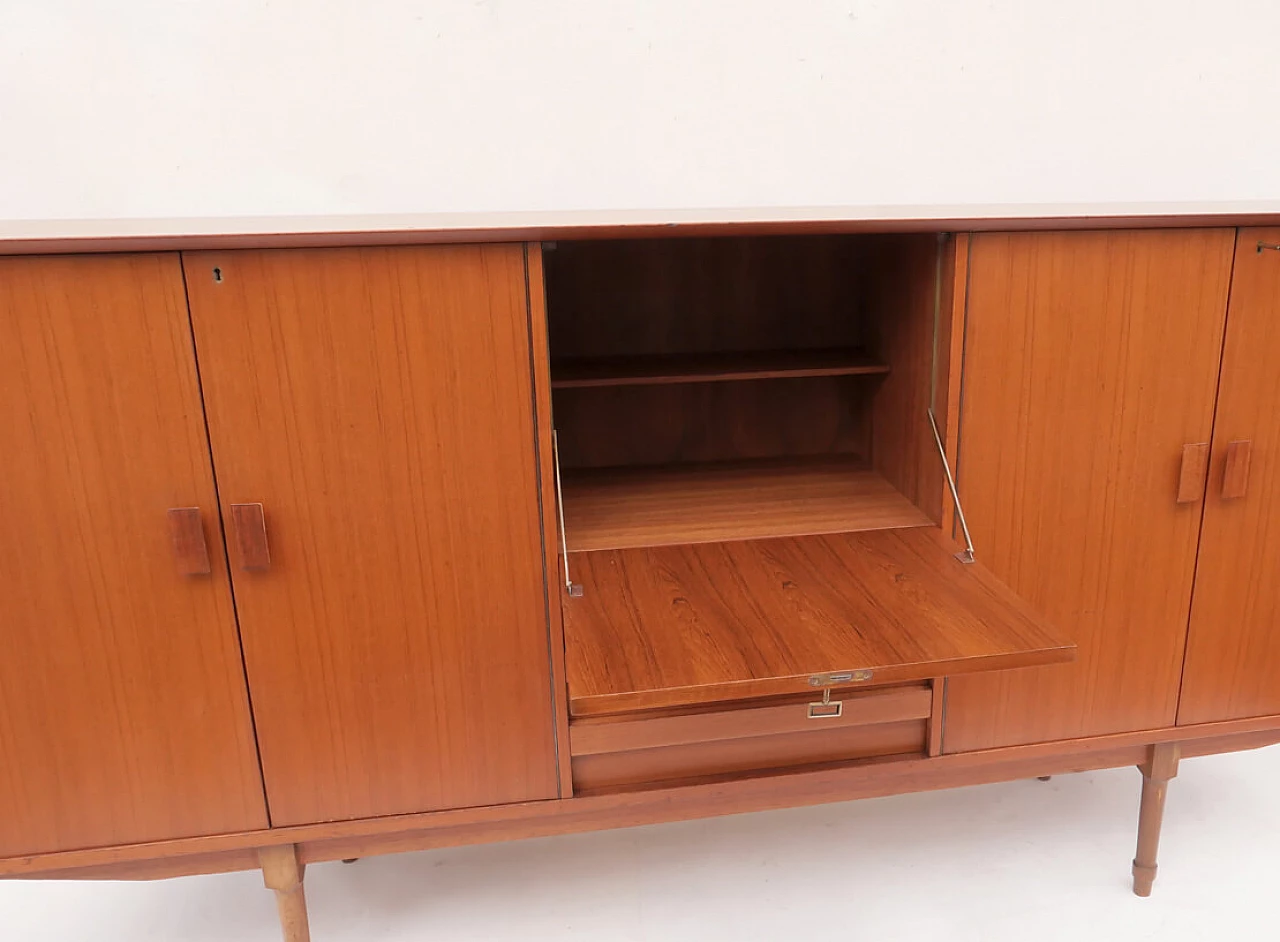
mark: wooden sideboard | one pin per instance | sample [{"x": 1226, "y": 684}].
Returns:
[{"x": 313, "y": 553}]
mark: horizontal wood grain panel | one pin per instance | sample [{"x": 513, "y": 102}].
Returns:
[
  {"x": 594, "y": 735},
  {"x": 617, "y": 508},
  {"x": 295, "y": 232},
  {"x": 712, "y": 367},
  {"x": 726, "y": 757},
  {"x": 692, "y": 423},
  {"x": 722, "y": 621}
]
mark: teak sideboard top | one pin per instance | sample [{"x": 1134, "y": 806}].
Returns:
[{"x": 319, "y": 552}]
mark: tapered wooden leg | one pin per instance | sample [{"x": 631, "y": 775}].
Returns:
[
  {"x": 1160, "y": 767},
  {"x": 282, "y": 873}
]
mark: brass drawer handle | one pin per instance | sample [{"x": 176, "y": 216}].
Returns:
[{"x": 826, "y": 710}]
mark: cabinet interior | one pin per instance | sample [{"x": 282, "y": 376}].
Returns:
[
  {"x": 742, "y": 428},
  {"x": 720, "y": 388}
]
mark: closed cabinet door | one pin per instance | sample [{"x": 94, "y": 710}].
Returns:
[
  {"x": 1233, "y": 654},
  {"x": 1090, "y": 370},
  {"x": 124, "y": 715},
  {"x": 371, "y": 414}
]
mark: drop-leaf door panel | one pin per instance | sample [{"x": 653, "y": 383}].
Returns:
[
  {"x": 1233, "y": 653},
  {"x": 1090, "y": 363},
  {"x": 123, "y": 710},
  {"x": 371, "y": 415}
]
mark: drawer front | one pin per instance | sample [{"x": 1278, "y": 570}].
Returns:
[{"x": 651, "y": 748}]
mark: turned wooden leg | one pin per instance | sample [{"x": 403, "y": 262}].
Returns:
[
  {"x": 282, "y": 873},
  {"x": 1161, "y": 765}
]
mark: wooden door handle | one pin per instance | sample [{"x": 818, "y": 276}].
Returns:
[
  {"x": 1235, "y": 471},
  {"x": 186, "y": 532},
  {"x": 250, "y": 526},
  {"x": 1194, "y": 472}
]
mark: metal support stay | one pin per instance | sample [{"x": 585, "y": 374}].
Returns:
[
  {"x": 573, "y": 588},
  {"x": 965, "y": 555}
]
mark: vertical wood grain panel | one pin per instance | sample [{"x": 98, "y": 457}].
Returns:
[
  {"x": 1233, "y": 655},
  {"x": 551, "y": 526},
  {"x": 123, "y": 710},
  {"x": 955, "y": 289},
  {"x": 379, "y": 404},
  {"x": 1091, "y": 358},
  {"x": 902, "y": 304}
]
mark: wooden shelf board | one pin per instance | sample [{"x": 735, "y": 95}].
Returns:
[
  {"x": 711, "y": 368},
  {"x": 677, "y": 625},
  {"x": 621, "y": 508}
]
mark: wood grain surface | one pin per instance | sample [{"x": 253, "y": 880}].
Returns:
[
  {"x": 1091, "y": 359},
  {"x": 1193, "y": 473},
  {"x": 904, "y": 323},
  {"x": 696, "y": 296},
  {"x": 541, "y": 361},
  {"x": 717, "y": 367},
  {"x": 708, "y": 302},
  {"x": 728, "y": 758},
  {"x": 1233, "y": 654},
  {"x": 616, "y": 508},
  {"x": 616, "y": 426},
  {"x": 379, "y": 404},
  {"x": 123, "y": 709},
  {"x": 598, "y": 734},
  {"x": 723, "y": 621}
]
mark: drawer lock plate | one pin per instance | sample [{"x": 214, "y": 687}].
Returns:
[{"x": 841, "y": 677}]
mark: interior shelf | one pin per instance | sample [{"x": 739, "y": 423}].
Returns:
[
  {"x": 617, "y": 508},
  {"x": 711, "y": 367},
  {"x": 680, "y": 625}
]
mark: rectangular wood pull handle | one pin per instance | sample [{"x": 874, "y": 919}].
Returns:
[
  {"x": 1194, "y": 472},
  {"x": 1235, "y": 472},
  {"x": 250, "y": 527},
  {"x": 186, "y": 531}
]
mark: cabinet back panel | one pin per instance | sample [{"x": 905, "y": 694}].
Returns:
[
  {"x": 123, "y": 710},
  {"x": 652, "y": 425},
  {"x": 378, "y": 403},
  {"x": 653, "y": 296},
  {"x": 1091, "y": 358}
]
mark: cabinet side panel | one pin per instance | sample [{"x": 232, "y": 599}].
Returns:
[
  {"x": 377, "y": 403},
  {"x": 1233, "y": 656},
  {"x": 123, "y": 709},
  {"x": 904, "y": 309},
  {"x": 550, "y": 519},
  {"x": 1091, "y": 358}
]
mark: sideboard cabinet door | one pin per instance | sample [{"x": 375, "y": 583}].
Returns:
[
  {"x": 371, "y": 415},
  {"x": 1090, "y": 361},
  {"x": 123, "y": 710},
  {"x": 1233, "y": 655}
]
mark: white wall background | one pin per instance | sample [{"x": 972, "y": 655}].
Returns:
[{"x": 201, "y": 112}]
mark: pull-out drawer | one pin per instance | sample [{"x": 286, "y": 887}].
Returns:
[{"x": 658, "y": 746}]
